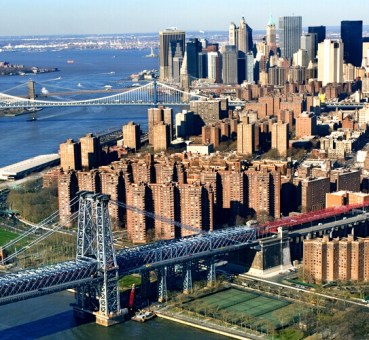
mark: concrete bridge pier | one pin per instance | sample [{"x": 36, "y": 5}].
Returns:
[
  {"x": 187, "y": 277},
  {"x": 211, "y": 272},
  {"x": 162, "y": 284}
]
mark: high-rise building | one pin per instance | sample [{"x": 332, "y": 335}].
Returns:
[
  {"x": 233, "y": 35},
  {"x": 210, "y": 111},
  {"x": 89, "y": 180},
  {"x": 249, "y": 67},
  {"x": 352, "y": 39},
  {"x": 70, "y": 155},
  {"x": 290, "y": 29},
  {"x": 244, "y": 38},
  {"x": 305, "y": 125},
  {"x": 184, "y": 124},
  {"x": 90, "y": 152},
  {"x": 308, "y": 44},
  {"x": 164, "y": 198},
  {"x": 330, "y": 61},
  {"x": 131, "y": 135},
  {"x": 203, "y": 65},
  {"x": 313, "y": 191},
  {"x": 246, "y": 137},
  {"x": 193, "y": 48},
  {"x": 280, "y": 137},
  {"x": 157, "y": 115},
  {"x": 168, "y": 40},
  {"x": 161, "y": 134},
  {"x": 211, "y": 135},
  {"x": 229, "y": 65},
  {"x": 67, "y": 191},
  {"x": 214, "y": 66},
  {"x": 319, "y": 32},
  {"x": 271, "y": 37}
]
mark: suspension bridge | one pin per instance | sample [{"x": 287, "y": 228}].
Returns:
[
  {"x": 152, "y": 93},
  {"x": 95, "y": 271}
]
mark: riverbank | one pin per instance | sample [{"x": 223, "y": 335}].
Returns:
[{"x": 205, "y": 324}]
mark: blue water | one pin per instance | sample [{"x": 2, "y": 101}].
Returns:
[
  {"x": 51, "y": 317},
  {"x": 92, "y": 69}
]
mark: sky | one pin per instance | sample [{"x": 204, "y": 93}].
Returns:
[{"x": 46, "y": 17}]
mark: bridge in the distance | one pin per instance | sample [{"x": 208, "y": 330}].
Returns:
[{"x": 152, "y": 93}]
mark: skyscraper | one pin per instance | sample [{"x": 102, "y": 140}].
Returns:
[
  {"x": 193, "y": 48},
  {"x": 319, "y": 31},
  {"x": 330, "y": 61},
  {"x": 244, "y": 38},
  {"x": 229, "y": 57},
  {"x": 352, "y": 38},
  {"x": 290, "y": 29},
  {"x": 215, "y": 66},
  {"x": 168, "y": 40},
  {"x": 271, "y": 37},
  {"x": 308, "y": 44}
]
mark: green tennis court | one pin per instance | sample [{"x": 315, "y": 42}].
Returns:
[{"x": 245, "y": 303}]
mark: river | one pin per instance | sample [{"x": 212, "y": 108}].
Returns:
[
  {"x": 51, "y": 317},
  {"x": 92, "y": 69}
]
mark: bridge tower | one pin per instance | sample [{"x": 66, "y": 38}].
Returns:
[
  {"x": 95, "y": 242},
  {"x": 31, "y": 90}
]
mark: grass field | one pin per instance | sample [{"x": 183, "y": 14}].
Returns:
[
  {"x": 245, "y": 303},
  {"x": 6, "y": 236}
]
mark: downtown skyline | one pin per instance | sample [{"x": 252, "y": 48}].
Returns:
[{"x": 42, "y": 17}]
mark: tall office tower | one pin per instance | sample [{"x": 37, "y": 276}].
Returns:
[
  {"x": 215, "y": 67},
  {"x": 89, "y": 180},
  {"x": 138, "y": 224},
  {"x": 193, "y": 48},
  {"x": 264, "y": 192},
  {"x": 90, "y": 152},
  {"x": 211, "y": 135},
  {"x": 229, "y": 57},
  {"x": 319, "y": 31},
  {"x": 67, "y": 191},
  {"x": 161, "y": 137},
  {"x": 177, "y": 61},
  {"x": 196, "y": 207},
  {"x": 308, "y": 44},
  {"x": 233, "y": 35},
  {"x": 290, "y": 29},
  {"x": 301, "y": 58},
  {"x": 164, "y": 201},
  {"x": 131, "y": 136},
  {"x": 203, "y": 64},
  {"x": 168, "y": 42},
  {"x": 70, "y": 155},
  {"x": 249, "y": 67},
  {"x": 330, "y": 61},
  {"x": 352, "y": 39},
  {"x": 112, "y": 184},
  {"x": 244, "y": 38},
  {"x": 245, "y": 137},
  {"x": 271, "y": 37},
  {"x": 280, "y": 137}
]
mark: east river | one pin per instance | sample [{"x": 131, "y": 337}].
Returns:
[
  {"x": 92, "y": 70},
  {"x": 51, "y": 317}
]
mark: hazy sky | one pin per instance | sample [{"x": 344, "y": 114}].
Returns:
[{"x": 35, "y": 17}]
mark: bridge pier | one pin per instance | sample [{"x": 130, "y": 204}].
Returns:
[
  {"x": 211, "y": 272},
  {"x": 187, "y": 279},
  {"x": 162, "y": 284}
]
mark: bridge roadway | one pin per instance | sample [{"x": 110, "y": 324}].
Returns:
[{"x": 70, "y": 274}]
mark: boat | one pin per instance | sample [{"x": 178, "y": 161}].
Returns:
[
  {"x": 32, "y": 119},
  {"x": 143, "y": 316},
  {"x": 70, "y": 61}
]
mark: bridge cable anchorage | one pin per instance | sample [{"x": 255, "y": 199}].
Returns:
[{"x": 148, "y": 94}]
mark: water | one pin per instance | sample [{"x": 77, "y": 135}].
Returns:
[
  {"x": 51, "y": 317},
  {"x": 92, "y": 69}
]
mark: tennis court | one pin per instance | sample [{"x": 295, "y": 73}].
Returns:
[{"x": 245, "y": 303}]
